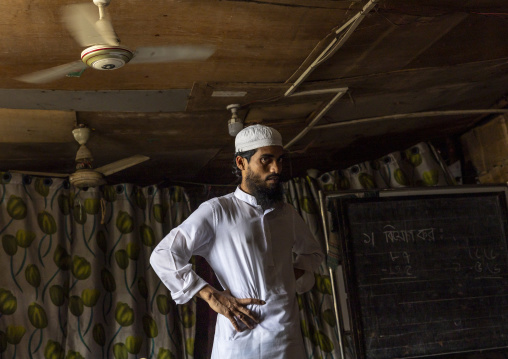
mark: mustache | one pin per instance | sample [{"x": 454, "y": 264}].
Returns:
[{"x": 272, "y": 177}]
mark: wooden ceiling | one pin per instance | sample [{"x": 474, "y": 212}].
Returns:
[{"x": 406, "y": 56}]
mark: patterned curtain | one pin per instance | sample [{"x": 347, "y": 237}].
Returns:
[
  {"x": 319, "y": 327},
  {"x": 76, "y": 280},
  {"x": 413, "y": 167}
]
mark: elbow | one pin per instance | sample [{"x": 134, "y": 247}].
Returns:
[{"x": 154, "y": 259}]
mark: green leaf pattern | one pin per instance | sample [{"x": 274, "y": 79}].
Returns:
[
  {"x": 414, "y": 167},
  {"x": 76, "y": 262},
  {"x": 317, "y": 318}
]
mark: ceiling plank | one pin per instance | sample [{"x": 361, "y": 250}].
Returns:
[
  {"x": 127, "y": 100},
  {"x": 29, "y": 126}
]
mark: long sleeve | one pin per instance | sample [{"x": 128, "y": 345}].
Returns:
[
  {"x": 170, "y": 259},
  {"x": 309, "y": 253}
]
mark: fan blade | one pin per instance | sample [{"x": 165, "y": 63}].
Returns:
[
  {"x": 53, "y": 73},
  {"x": 41, "y": 174},
  {"x": 105, "y": 28},
  {"x": 122, "y": 164},
  {"x": 84, "y": 24},
  {"x": 172, "y": 53}
]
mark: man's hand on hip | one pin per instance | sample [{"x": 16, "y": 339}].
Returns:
[{"x": 230, "y": 307}]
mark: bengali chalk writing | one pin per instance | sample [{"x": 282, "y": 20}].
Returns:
[
  {"x": 393, "y": 235},
  {"x": 426, "y": 265},
  {"x": 399, "y": 267},
  {"x": 485, "y": 261}
]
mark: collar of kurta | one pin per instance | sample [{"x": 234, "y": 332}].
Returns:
[
  {"x": 244, "y": 196},
  {"x": 250, "y": 199}
]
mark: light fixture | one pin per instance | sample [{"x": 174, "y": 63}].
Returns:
[{"x": 235, "y": 125}]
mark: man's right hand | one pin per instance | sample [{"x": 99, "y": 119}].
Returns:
[{"x": 230, "y": 307}]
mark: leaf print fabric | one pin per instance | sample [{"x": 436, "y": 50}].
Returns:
[
  {"x": 76, "y": 277},
  {"x": 317, "y": 318}
]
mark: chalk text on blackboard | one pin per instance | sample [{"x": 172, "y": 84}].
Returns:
[{"x": 393, "y": 235}]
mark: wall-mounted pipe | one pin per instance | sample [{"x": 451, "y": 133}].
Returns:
[
  {"x": 335, "y": 44},
  {"x": 318, "y": 116},
  {"x": 350, "y": 26},
  {"x": 411, "y": 115}
]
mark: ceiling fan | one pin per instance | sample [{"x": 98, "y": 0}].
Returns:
[
  {"x": 85, "y": 175},
  {"x": 104, "y": 51}
]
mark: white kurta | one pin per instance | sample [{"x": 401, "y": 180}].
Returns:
[{"x": 251, "y": 253}]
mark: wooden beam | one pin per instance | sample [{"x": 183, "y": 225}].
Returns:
[{"x": 36, "y": 126}]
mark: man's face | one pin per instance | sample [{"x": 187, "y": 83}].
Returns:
[{"x": 261, "y": 175}]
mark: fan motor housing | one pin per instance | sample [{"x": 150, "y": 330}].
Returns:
[
  {"x": 86, "y": 178},
  {"x": 106, "y": 57}
]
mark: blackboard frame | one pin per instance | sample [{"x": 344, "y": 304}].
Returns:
[{"x": 338, "y": 204}]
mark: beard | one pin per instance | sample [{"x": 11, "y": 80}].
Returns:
[{"x": 267, "y": 194}]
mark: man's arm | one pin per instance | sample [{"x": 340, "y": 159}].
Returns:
[
  {"x": 309, "y": 253},
  {"x": 170, "y": 259},
  {"x": 230, "y": 307}
]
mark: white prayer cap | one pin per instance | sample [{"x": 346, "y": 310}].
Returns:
[{"x": 257, "y": 136}]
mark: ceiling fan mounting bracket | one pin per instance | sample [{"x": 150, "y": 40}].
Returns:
[
  {"x": 81, "y": 134},
  {"x": 235, "y": 124},
  {"x": 106, "y": 57},
  {"x": 101, "y": 2}
]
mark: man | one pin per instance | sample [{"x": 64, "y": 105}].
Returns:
[{"x": 257, "y": 245}]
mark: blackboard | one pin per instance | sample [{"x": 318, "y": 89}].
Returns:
[{"x": 427, "y": 275}]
